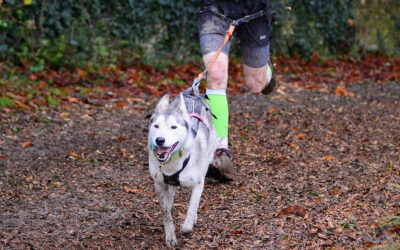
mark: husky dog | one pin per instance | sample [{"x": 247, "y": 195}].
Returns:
[{"x": 181, "y": 143}]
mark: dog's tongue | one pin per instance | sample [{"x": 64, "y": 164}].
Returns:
[{"x": 162, "y": 150}]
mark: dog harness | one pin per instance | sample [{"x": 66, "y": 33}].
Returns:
[{"x": 174, "y": 179}]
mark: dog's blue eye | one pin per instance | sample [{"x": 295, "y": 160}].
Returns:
[
  {"x": 156, "y": 126},
  {"x": 173, "y": 127}
]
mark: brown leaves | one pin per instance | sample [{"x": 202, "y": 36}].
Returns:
[
  {"x": 73, "y": 155},
  {"x": 133, "y": 190},
  {"x": 3, "y": 156},
  {"x": 139, "y": 80},
  {"x": 311, "y": 74},
  {"x": 120, "y": 105},
  {"x": 334, "y": 192},
  {"x": 301, "y": 136},
  {"x": 76, "y": 156},
  {"x": 342, "y": 91},
  {"x": 328, "y": 157},
  {"x": 293, "y": 210},
  {"x": 42, "y": 85},
  {"x": 72, "y": 99},
  {"x": 26, "y": 144}
]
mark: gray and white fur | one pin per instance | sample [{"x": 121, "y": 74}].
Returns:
[{"x": 174, "y": 137}]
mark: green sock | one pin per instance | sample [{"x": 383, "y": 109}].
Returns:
[
  {"x": 269, "y": 74},
  {"x": 219, "y": 107}
]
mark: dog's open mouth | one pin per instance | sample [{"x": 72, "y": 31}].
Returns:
[{"x": 163, "y": 153}]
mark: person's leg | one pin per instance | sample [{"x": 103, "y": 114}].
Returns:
[
  {"x": 217, "y": 79},
  {"x": 258, "y": 71}
]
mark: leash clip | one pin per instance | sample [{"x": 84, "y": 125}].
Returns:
[
  {"x": 196, "y": 83},
  {"x": 159, "y": 170}
]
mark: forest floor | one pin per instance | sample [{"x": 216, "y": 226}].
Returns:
[{"x": 318, "y": 168}]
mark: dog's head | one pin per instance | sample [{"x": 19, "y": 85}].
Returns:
[{"x": 169, "y": 127}]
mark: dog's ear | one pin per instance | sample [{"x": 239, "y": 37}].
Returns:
[
  {"x": 163, "y": 103},
  {"x": 182, "y": 107}
]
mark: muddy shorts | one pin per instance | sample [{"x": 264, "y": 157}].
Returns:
[{"x": 253, "y": 36}]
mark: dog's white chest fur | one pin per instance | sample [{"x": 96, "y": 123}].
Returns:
[{"x": 171, "y": 141}]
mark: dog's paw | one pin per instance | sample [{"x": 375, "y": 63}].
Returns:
[
  {"x": 187, "y": 228},
  {"x": 170, "y": 240}
]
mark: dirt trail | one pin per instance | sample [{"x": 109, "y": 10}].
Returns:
[{"x": 317, "y": 169}]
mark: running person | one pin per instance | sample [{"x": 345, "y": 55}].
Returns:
[{"x": 259, "y": 74}]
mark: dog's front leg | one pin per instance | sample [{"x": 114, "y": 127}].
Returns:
[
  {"x": 166, "y": 194},
  {"x": 191, "y": 215}
]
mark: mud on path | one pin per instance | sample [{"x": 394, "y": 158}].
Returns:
[{"x": 317, "y": 169}]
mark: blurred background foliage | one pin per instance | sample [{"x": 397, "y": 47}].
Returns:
[{"x": 86, "y": 33}]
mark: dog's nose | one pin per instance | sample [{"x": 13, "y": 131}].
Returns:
[{"x": 160, "y": 141}]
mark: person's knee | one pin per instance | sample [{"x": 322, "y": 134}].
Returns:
[
  {"x": 256, "y": 79},
  {"x": 217, "y": 76}
]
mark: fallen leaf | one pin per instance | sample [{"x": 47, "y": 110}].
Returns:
[
  {"x": 272, "y": 110},
  {"x": 120, "y": 105},
  {"x": 152, "y": 90},
  {"x": 334, "y": 192},
  {"x": 293, "y": 210},
  {"x": 237, "y": 231},
  {"x": 20, "y": 104},
  {"x": 73, "y": 155},
  {"x": 351, "y": 22},
  {"x": 26, "y": 144},
  {"x": 32, "y": 77},
  {"x": 340, "y": 91},
  {"x": 352, "y": 235},
  {"x": 132, "y": 190},
  {"x": 81, "y": 73},
  {"x": 369, "y": 243},
  {"x": 328, "y": 157},
  {"x": 3, "y": 156},
  {"x": 312, "y": 86},
  {"x": 42, "y": 85},
  {"x": 316, "y": 200},
  {"x": 330, "y": 223},
  {"x": 72, "y": 99},
  {"x": 301, "y": 136}
]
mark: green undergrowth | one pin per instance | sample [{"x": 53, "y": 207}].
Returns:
[{"x": 81, "y": 34}]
